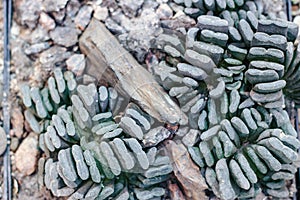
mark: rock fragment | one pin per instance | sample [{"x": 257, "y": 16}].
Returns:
[
  {"x": 76, "y": 64},
  {"x": 46, "y": 21},
  {"x": 27, "y": 154},
  {"x": 100, "y": 13},
  {"x": 59, "y": 31},
  {"x": 83, "y": 17}
]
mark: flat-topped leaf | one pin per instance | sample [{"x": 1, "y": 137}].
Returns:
[
  {"x": 228, "y": 147},
  {"x": 269, "y": 41},
  {"x": 190, "y": 82},
  {"x": 205, "y": 149},
  {"x": 107, "y": 129},
  {"x": 232, "y": 134},
  {"x": 213, "y": 117},
  {"x": 110, "y": 158},
  {"x": 234, "y": 34},
  {"x": 264, "y": 65},
  {"x": 248, "y": 119},
  {"x": 158, "y": 171},
  {"x": 71, "y": 82},
  {"x": 245, "y": 166},
  {"x": 46, "y": 100},
  {"x": 218, "y": 90},
  {"x": 106, "y": 191},
  {"x": 80, "y": 193},
  {"x": 240, "y": 126},
  {"x": 131, "y": 128},
  {"x": 246, "y": 31},
  {"x": 216, "y": 38},
  {"x": 34, "y": 124},
  {"x": 93, "y": 192},
  {"x": 270, "y": 86},
  {"x": 213, "y": 51},
  {"x": 237, "y": 52},
  {"x": 78, "y": 105},
  {"x": 125, "y": 158},
  {"x": 60, "y": 81},
  {"x": 53, "y": 91},
  {"x": 211, "y": 178},
  {"x": 234, "y": 101},
  {"x": 267, "y": 157},
  {"x": 212, "y": 23},
  {"x": 210, "y": 133},
  {"x": 270, "y": 54},
  {"x": 149, "y": 194},
  {"x": 191, "y": 37},
  {"x": 112, "y": 134},
  {"x": 81, "y": 166},
  {"x": 25, "y": 90},
  {"x": 272, "y": 27},
  {"x": 37, "y": 99},
  {"x": 59, "y": 125},
  {"x": 265, "y": 98},
  {"x": 251, "y": 19},
  {"x": 202, "y": 61},
  {"x": 259, "y": 164},
  {"x": 70, "y": 184},
  {"x": 140, "y": 155},
  {"x": 202, "y": 120},
  {"x": 139, "y": 117},
  {"x": 65, "y": 161},
  {"x": 171, "y": 40},
  {"x": 48, "y": 142},
  {"x": 238, "y": 175},
  {"x": 223, "y": 177},
  {"x": 247, "y": 103},
  {"x": 192, "y": 71},
  {"x": 258, "y": 76}
]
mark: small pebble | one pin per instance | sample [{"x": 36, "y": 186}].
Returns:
[
  {"x": 58, "y": 32},
  {"x": 101, "y": 13},
  {"x": 76, "y": 64}
]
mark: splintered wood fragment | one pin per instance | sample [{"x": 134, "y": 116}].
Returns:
[
  {"x": 175, "y": 192},
  {"x": 108, "y": 60},
  {"x": 186, "y": 172}
]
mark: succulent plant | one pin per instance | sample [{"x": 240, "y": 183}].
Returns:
[
  {"x": 231, "y": 75},
  {"x": 89, "y": 154}
]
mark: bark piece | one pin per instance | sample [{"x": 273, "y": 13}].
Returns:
[
  {"x": 175, "y": 192},
  {"x": 108, "y": 59},
  {"x": 186, "y": 171}
]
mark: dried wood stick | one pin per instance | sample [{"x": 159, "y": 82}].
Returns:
[
  {"x": 186, "y": 172},
  {"x": 109, "y": 61}
]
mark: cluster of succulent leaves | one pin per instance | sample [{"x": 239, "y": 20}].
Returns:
[
  {"x": 88, "y": 154},
  {"x": 232, "y": 75}
]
